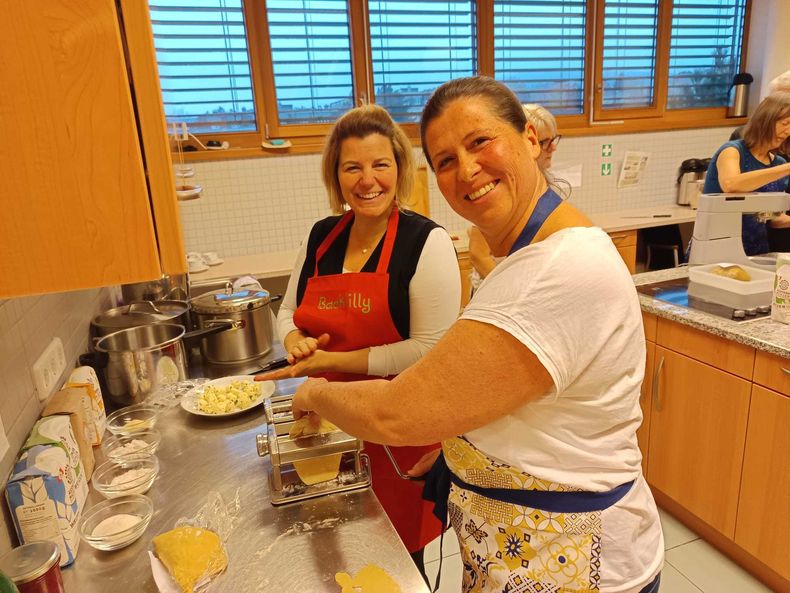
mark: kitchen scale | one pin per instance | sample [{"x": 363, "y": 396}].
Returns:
[
  {"x": 284, "y": 483},
  {"x": 676, "y": 292}
]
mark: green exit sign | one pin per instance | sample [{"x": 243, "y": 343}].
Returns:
[{"x": 606, "y": 169}]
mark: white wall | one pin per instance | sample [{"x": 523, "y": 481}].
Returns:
[
  {"x": 262, "y": 205},
  {"x": 769, "y": 45}
]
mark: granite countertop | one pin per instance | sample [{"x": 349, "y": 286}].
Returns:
[{"x": 762, "y": 334}]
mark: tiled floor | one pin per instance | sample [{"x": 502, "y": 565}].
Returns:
[{"x": 691, "y": 565}]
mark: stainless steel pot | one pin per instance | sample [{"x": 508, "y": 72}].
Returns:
[
  {"x": 174, "y": 287},
  {"x": 135, "y": 362},
  {"x": 249, "y": 311},
  {"x": 140, "y": 313}
]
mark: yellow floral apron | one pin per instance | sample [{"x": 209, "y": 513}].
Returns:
[{"x": 518, "y": 549}]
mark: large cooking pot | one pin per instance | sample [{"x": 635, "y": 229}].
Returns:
[
  {"x": 251, "y": 315},
  {"x": 136, "y": 361},
  {"x": 140, "y": 313}
]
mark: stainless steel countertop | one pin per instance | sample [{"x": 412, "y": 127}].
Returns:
[{"x": 297, "y": 547}]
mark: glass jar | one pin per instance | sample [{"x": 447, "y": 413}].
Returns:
[{"x": 34, "y": 567}]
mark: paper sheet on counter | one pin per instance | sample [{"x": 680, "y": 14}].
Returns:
[
  {"x": 634, "y": 164},
  {"x": 570, "y": 172}
]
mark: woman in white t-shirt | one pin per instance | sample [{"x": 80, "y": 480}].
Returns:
[
  {"x": 546, "y": 127},
  {"x": 540, "y": 376}
]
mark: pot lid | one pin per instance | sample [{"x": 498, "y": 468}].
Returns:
[
  {"x": 220, "y": 301},
  {"x": 140, "y": 313}
]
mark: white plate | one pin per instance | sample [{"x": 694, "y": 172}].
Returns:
[{"x": 190, "y": 400}]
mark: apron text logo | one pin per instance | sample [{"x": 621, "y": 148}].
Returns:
[{"x": 352, "y": 300}]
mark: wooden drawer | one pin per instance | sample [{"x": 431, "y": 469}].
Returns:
[
  {"x": 623, "y": 239},
  {"x": 649, "y": 321},
  {"x": 719, "y": 352},
  {"x": 773, "y": 372}
]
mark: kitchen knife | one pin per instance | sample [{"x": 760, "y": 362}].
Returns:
[{"x": 271, "y": 366}]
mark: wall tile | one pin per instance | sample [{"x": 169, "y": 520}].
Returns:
[
  {"x": 27, "y": 325},
  {"x": 251, "y": 206}
]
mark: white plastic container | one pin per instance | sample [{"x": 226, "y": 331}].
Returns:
[
  {"x": 738, "y": 294},
  {"x": 780, "y": 305}
]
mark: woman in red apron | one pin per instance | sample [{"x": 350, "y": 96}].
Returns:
[{"x": 365, "y": 282}]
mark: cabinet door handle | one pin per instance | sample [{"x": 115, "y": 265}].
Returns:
[
  {"x": 785, "y": 371},
  {"x": 656, "y": 376}
]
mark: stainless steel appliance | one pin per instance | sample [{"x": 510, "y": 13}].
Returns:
[
  {"x": 739, "y": 95},
  {"x": 284, "y": 484},
  {"x": 691, "y": 172}
]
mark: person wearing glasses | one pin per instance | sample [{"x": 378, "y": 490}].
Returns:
[{"x": 546, "y": 127}]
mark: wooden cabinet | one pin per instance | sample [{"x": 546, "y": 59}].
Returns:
[
  {"x": 625, "y": 242},
  {"x": 763, "y": 510},
  {"x": 646, "y": 403},
  {"x": 697, "y": 436},
  {"x": 89, "y": 198},
  {"x": 772, "y": 372}
]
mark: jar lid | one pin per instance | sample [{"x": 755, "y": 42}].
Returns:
[
  {"x": 28, "y": 562},
  {"x": 220, "y": 301}
]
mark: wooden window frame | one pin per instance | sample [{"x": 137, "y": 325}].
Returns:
[{"x": 593, "y": 120}]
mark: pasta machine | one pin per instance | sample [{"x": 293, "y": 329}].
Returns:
[{"x": 283, "y": 451}]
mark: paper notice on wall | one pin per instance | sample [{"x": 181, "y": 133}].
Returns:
[
  {"x": 634, "y": 165},
  {"x": 570, "y": 172}
]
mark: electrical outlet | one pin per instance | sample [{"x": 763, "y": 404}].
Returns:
[{"x": 48, "y": 368}]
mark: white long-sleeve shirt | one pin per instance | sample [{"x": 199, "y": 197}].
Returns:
[{"x": 434, "y": 302}]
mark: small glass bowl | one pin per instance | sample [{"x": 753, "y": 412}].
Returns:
[
  {"x": 147, "y": 466},
  {"x": 109, "y": 539},
  {"x": 139, "y": 443},
  {"x": 132, "y": 419}
]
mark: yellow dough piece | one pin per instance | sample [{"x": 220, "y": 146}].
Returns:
[
  {"x": 190, "y": 554},
  {"x": 320, "y": 469},
  {"x": 370, "y": 579},
  {"x": 735, "y": 272}
]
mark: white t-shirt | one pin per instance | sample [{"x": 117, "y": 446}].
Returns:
[
  {"x": 434, "y": 300},
  {"x": 572, "y": 302}
]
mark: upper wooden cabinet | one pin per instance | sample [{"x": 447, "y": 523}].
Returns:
[{"x": 78, "y": 209}]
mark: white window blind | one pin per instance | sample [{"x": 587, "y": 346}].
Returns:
[
  {"x": 539, "y": 51},
  {"x": 629, "y": 53},
  {"x": 705, "y": 52},
  {"x": 416, "y": 46},
  {"x": 204, "y": 69},
  {"x": 311, "y": 58}
]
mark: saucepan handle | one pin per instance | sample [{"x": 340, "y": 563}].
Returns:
[{"x": 214, "y": 327}]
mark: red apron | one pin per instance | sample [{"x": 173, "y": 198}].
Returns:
[{"x": 354, "y": 310}]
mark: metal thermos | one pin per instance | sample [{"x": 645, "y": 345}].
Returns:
[
  {"x": 691, "y": 171},
  {"x": 739, "y": 95}
]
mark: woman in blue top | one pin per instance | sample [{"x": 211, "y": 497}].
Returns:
[{"x": 751, "y": 164}]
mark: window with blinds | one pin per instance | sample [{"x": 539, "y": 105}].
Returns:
[
  {"x": 629, "y": 53},
  {"x": 705, "y": 52},
  {"x": 311, "y": 58},
  {"x": 416, "y": 46},
  {"x": 204, "y": 67},
  {"x": 539, "y": 51}
]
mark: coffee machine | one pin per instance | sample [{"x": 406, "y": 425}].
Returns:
[{"x": 692, "y": 173}]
